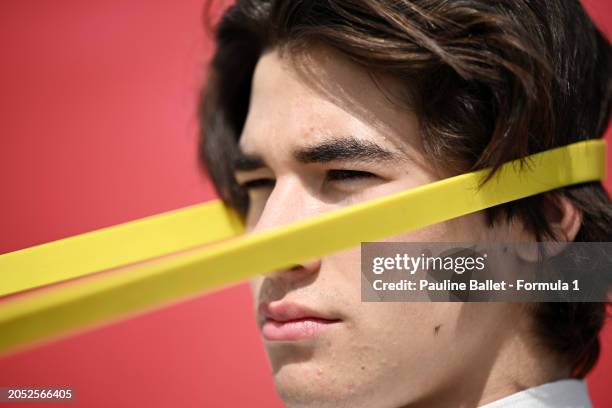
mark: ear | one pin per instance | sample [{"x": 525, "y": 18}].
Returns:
[
  {"x": 563, "y": 217},
  {"x": 564, "y": 220}
]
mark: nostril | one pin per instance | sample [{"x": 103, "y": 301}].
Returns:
[
  {"x": 305, "y": 267},
  {"x": 312, "y": 266}
]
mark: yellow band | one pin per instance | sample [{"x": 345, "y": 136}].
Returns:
[
  {"x": 116, "y": 246},
  {"x": 109, "y": 296}
]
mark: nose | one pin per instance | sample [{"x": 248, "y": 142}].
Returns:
[
  {"x": 288, "y": 202},
  {"x": 275, "y": 286}
]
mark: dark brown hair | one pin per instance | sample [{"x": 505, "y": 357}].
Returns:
[{"x": 491, "y": 81}]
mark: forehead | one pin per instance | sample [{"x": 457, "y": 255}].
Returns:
[{"x": 299, "y": 100}]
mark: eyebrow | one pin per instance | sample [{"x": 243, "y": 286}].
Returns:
[
  {"x": 246, "y": 162},
  {"x": 344, "y": 149},
  {"x": 340, "y": 149}
]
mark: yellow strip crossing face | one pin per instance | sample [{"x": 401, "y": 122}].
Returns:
[{"x": 60, "y": 310}]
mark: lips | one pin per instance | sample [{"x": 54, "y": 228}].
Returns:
[{"x": 286, "y": 321}]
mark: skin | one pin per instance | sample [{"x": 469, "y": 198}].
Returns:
[{"x": 379, "y": 354}]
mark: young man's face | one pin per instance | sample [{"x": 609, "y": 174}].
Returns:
[{"x": 329, "y": 136}]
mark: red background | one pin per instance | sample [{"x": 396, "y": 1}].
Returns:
[{"x": 98, "y": 127}]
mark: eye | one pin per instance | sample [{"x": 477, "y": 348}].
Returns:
[
  {"x": 258, "y": 191},
  {"x": 348, "y": 175}
]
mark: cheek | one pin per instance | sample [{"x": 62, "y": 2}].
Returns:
[
  {"x": 413, "y": 324},
  {"x": 342, "y": 267},
  {"x": 342, "y": 270},
  {"x": 468, "y": 228}
]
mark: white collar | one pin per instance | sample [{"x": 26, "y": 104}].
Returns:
[{"x": 559, "y": 394}]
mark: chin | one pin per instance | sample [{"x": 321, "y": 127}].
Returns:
[
  {"x": 304, "y": 381},
  {"x": 311, "y": 383},
  {"x": 299, "y": 390}
]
